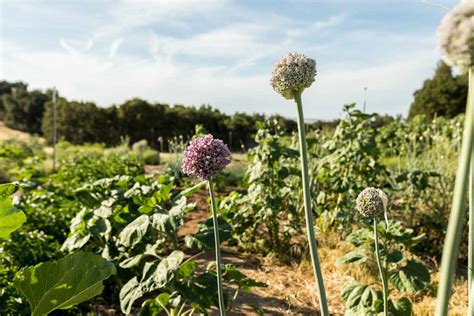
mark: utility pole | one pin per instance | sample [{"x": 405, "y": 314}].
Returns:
[
  {"x": 365, "y": 98},
  {"x": 54, "y": 129}
]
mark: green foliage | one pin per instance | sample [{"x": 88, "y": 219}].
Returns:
[
  {"x": 204, "y": 238},
  {"x": 23, "y": 109},
  {"x": 442, "y": 95},
  {"x": 422, "y": 155},
  {"x": 81, "y": 122},
  {"x": 344, "y": 165},
  {"x": 405, "y": 274},
  {"x": 134, "y": 223},
  {"x": 50, "y": 202},
  {"x": 61, "y": 284},
  {"x": 269, "y": 215},
  {"x": 10, "y": 217}
]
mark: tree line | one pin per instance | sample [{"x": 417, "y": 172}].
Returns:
[
  {"x": 84, "y": 122},
  {"x": 136, "y": 119}
]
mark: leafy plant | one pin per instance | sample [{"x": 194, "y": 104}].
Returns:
[
  {"x": 269, "y": 215},
  {"x": 61, "y": 284},
  {"x": 406, "y": 275},
  {"x": 10, "y": 217},
  {"x": 347, "y": 164}
]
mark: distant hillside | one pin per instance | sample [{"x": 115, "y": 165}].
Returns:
[{"x": 11, "y": 134}]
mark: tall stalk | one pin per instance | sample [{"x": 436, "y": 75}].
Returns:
[
  {"x": 307, "y": 207},
  {"x": 470, "y": 265},
  {"x": 381, "y": 270},
  {"x": 456, "y": 218},
  {"x": 217, "y": 247}
]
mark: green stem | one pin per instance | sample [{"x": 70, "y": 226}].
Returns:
[
  {"x": 308, "y": 211},
  {"x": 456, "y": 218},
  {"x": 218, "y": 251},
  {"x": 470, "y": 265},
  {"x": 381, "y": 270}
]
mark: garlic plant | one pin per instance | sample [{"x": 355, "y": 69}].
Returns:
[
  {"x": 456, "y": 39},
  {"x": 398, "y": 269},
  {"x": 292, "y": 75},
  {"x": 205, "y": 158}
]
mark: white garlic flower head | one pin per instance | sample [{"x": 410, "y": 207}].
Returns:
[
  {"x": 456, "y": 36},
  {"x": 292, "y": 74},
  {"x": 371, "y": 202}
]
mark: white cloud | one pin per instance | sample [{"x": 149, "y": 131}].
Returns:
[
  {"x": 114, "y": 47},
  {"x": 225, "y": 63}
]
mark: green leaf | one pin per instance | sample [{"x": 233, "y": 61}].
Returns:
[
  {"x": 357, "y": 256},
  {"x": 204, "y": 238},
  {"x": 10, "y": 218},
  {"x": 402, "y": 307},
  {"x": 167, "y": 266},
  {"x": 63, "y": 283},
  {"x": 360, "y": 237},
  {"x": 76, "y": 241},
  {"x": 412, "y": 277},
  {"x": 129, "y": 293},
  {"x": 359, "y": 298},
  {"x": 133, "y": 233},
  {"x": 190, "y": 191},
  {"x": 131, "y": 262},
  {"x": 154, "y": 276},
  {"x": 394, "y": 256}
]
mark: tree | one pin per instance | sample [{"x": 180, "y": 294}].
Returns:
[
  {"x": 442, "y": 95},
  {"x": 82, "y": 122},
  {"x": 23, "y": 110}
]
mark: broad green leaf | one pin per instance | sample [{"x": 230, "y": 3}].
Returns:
[
  {"x": 10, "y": 218},
  {"x": 357, "y": 256},
  {"x": 233, "y": 276},
  {"x": 129, "y": 293},
  {"x": 204, "y": 238},
  {"x": 61, "y": 284},
  {"x": 131, "y": 262},
  {"x": 153, "y": 307},
  {"x": 134, "y": 232},
  {"x": 135, "y": 260},
  {"x": 7, "y": 190},
  {"x": 170, "y": 222},
  {"x": 167, "y": 267},
  {"x": 155, "y": 275},
  {"x": 360, "y": 237},
  {"x": 359, "y": 298},
  {"x": 402, "y": 307},
  {"x": 76, "y": 241},
  {"x": 412, "y": 277},
  {"x": 394, "y": 256}
]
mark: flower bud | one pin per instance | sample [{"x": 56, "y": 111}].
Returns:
[
  {"x": 205, "y": 157},
  {"x": 292, "y": 74},
  {"x": 456, "y": 36},
  {"x": 371, "y": 202}
]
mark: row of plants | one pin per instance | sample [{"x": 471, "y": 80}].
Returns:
[
  {"x": 267, "y": 217},
  {"x": 117, "y": 214}
]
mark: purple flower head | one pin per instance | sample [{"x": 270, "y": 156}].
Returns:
[{"x": 205, "y": 157}]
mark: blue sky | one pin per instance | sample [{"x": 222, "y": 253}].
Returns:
[{"x": 221, "y": 53}]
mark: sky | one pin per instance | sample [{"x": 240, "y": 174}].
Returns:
[{"x": 222, "y": 52}]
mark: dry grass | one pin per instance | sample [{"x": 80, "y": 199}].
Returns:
[{"x": 11, "y": 134}]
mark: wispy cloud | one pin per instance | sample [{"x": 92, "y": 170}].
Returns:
[
  {"x": 114, "y": 47},
  {"x": 217, "y": 52}
]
